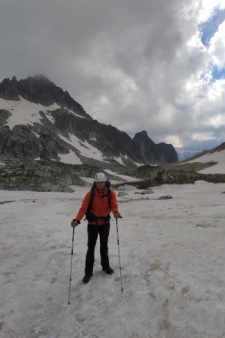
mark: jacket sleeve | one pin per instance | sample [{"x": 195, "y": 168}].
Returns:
[
  {"x": 84, "y": 206},
  {"x": 114, "y": 204}
]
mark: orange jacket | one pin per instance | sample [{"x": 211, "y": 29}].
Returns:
[{"x": 100, "y": 205}]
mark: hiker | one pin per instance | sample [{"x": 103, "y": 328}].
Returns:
[{"x": 97, "y": 205}]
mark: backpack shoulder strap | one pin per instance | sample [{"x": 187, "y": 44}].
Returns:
[
  {"x": 92, "y": 197},
  {"x": 109, "y": 197},
  {"x": 108, "y": 184}
]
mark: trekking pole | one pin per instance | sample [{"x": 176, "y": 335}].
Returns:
[
  {"x": 121, "y": 282},
  {"x": 71, "y": 265}
]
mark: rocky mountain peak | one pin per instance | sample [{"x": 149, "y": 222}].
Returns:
[
  {"x": 39, "y": 89},
  {"x": 142, "y": 136}
]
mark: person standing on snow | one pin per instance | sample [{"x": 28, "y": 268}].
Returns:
[{"x": 97, "y": 205}]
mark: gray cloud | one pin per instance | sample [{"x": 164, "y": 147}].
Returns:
[{"x": 127, "y": 62}]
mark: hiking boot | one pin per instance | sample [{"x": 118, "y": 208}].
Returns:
[
  {"x": 86, "y": 279},
  {"x": 108, "y": 270}
]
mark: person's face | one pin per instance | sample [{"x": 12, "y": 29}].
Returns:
[{"x": 100, "y": 185}]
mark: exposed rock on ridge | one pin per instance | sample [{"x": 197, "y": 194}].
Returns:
[{"x": 39, "y": 89}]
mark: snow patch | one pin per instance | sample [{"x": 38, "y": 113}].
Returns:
[
  {"x": 25, "y": 112},
  {"x": 85, "y": 148},
  {"x": 119, "y": 160},
  {"x": 72, "y": 112},
  {"x": 70, "y": 158},
  {"x": 123, "y": 177}
]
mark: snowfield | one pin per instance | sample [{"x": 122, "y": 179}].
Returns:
[
  {"x": 172, "y": 256},
  {"x": 219, "y": 157}
]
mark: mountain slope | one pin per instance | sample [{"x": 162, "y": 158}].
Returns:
[{"x": 38, "y": 120}]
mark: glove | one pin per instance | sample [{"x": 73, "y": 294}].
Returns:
[
  {"x": 116, "y": 214},
  {"x": 74, "y": 222}
]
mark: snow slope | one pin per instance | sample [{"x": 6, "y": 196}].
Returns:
[
  {"x": 25, "y": 112},
  {"x": 218, "y": 156},
  {"x": 84, "y": 147},
  {"x": 172, "y": 256}
]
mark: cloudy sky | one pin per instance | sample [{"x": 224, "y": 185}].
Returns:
[{"x": 154, "y": 65}]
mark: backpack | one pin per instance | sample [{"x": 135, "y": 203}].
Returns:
[{"x": 91, "y": 217}]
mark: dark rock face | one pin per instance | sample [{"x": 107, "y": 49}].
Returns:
[
  {"x": 43, "y": 140},
  {"x": 23, "y": 143},
  {"x": 151, "y": 152},
  {"x": 4, "y": 136},
  {"x": 4, "y": 115},
  {"x": 9, "y": 89}
]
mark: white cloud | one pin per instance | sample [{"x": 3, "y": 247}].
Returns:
[
  {"x": 207, "y": 8},
  {"x": 216, "y": 121},
  {"x": 202, "y": 136},
  {"x": 217, "y": 47},
  {"x": 175, "y": 141}
]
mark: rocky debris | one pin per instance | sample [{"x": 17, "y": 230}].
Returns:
[
  {"x": 5, "y": 202},
  {"x": 204, "y": 225},
  {"x": 144, "y": 192},
  {"x": 47, "y": 175},
  {"x": 182, "y": 176},
  {"x": 42, "y": 175},
  {"x": 147, "y": 172},
  {"x": 165, "y": 197},
  {"x": 176, "y": 173},
  {"x": 122, "y": 194}
]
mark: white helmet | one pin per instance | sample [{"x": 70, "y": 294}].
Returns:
[{"x": 100, "y": 177}]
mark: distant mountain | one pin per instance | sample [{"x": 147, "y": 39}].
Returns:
[
  {"x": 185, "y": 155},
  {"x": 38, "y": 120}
]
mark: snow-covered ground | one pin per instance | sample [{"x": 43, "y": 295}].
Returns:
[{"x": 172, "y": 256}]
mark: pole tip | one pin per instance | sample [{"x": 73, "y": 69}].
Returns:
[{"x": 68, "y": 303}]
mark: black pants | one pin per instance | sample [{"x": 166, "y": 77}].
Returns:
[{"x": 93, "y": 231}]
